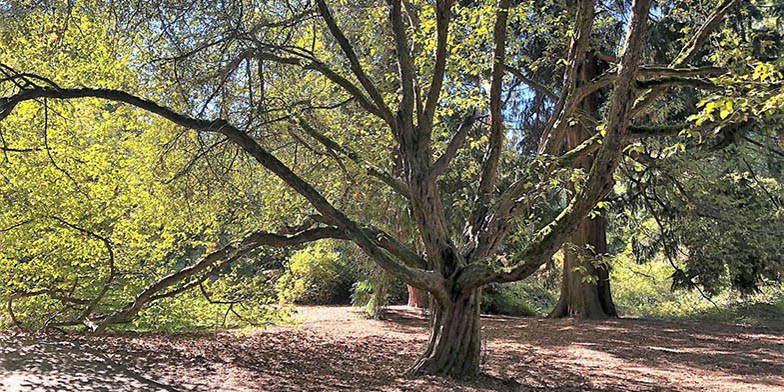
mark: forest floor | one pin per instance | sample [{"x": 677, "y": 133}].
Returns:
[{"x": 335, "y": 348}]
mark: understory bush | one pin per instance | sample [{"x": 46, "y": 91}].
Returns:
[
  {"x": 316, "y": 275},
  {"x": 238, "y": 299},
  {"x": 533, "y": 296},
  {"x": 376, "y": 289},
  {"x": 645, "y": 290},
  {"x": 505, "y": 299}
]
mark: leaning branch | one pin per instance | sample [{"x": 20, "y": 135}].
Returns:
[
  {"x": 442, "y": 163},
  {"x": 231, "y": 251},
  {"x": 405, "y": 65},
  {"x": 423, "y": 279},
  {"x": 542, "y": 89},
  {"x": 443, "y": 16},
  {"x": 677, "y": 81},
  {"x": 492, "y": 156},
  {"x": 347, "y": 85}
]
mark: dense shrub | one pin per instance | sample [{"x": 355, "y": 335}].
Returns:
[
  {"x": 316, "y": 275},
  {"x": 645, "y": 290},
  {"x": 376, "y": 289},
  {"x": 508, "y": 299}
]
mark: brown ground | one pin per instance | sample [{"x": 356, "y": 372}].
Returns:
[{"x": 334, "y": 348}]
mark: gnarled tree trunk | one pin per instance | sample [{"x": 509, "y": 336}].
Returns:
[{"x": 454, "y": 348}]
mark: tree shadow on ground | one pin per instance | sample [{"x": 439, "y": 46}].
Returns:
[
  {"x": 43, "y": 363},
  {"x": 344, "y": 352},
  {"x": 643, "y": 352}
]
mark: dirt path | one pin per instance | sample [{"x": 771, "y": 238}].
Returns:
[{"x": 334, "y": 348}]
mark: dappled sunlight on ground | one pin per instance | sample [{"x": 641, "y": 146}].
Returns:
[
  {"x": 44, "y": 364},
  {"x": 337, "y": 348},
  {"x": 639, "y": 355}
]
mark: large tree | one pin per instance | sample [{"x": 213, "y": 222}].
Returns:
[{"x": 226, "y": 64}]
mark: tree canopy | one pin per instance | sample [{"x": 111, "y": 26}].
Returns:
[{"x": 140, "y": 134}]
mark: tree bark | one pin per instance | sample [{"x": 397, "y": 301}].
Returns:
[
  {"x": 454, "y": 347},
  {"x": 416, "y": 298},
  {"x": 580, "y": 297}
]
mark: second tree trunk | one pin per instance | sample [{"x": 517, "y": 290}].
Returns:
[{"x": 584, "y": 297}]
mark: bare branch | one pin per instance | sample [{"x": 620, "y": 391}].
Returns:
[
  {"x": 608, "y": 79},
  {"x": 542, "y": 89},
  {"x": 333, "y": 76},
  {"x": 20, "y": 150},
  {"x": 353, "y": 60},
  {"x": 393, "y": 182},
  {"x": 688, "y": 51},
  {"x": 443, "y": 16},
  {"x": 442, "y": 163}
]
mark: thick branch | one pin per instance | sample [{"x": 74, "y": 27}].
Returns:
[
  {"x": 232, "y": 251},
  {"x": 676, "y": 81},
  {"x": 405, "y": 69},
  {"x": 496, "y": 143},
  {"x": 395, "y": 247},
  {"x": 651, "y": 71}
]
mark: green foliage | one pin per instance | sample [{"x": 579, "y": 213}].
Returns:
[
  {"x": 508, "y": 300},
  {"x": 376, "y": 290},
  {"x": 535, "y": 296},
  {"x": 645, "y": 291},
  {"x": 98, "y": 204},
  {"x": 315, "y": 275},
  {"x": 720, "y": 215},
  {"x": 371, "y": 295},
  {"x": 238, "y": 304}
]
